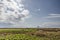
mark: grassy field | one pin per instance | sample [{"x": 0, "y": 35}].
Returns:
[{"x": 30, "y": 34}]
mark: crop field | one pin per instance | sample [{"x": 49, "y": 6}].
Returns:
[{"x": 30, "y": 34}]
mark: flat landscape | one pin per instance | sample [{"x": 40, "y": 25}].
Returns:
[{"x": 29, "y": 33}]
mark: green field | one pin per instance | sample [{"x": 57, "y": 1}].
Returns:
[{"x": 30, "y": 34}]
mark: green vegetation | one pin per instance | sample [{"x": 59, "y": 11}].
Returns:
[{"x": 30, "y": 34}]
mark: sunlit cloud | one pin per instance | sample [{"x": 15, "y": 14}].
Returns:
[{"x": 13, "y": 11}]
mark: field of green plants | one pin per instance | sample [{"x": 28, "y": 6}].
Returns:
[{"x": 29, "y": 34}]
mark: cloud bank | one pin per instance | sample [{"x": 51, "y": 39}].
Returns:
[
  {"x": 12, "y": 11},
  {"x": 53, "y": 16},
  {"x": 51, "y": 25}
]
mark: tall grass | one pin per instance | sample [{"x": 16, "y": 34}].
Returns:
[{"x": 29, "y": 34}]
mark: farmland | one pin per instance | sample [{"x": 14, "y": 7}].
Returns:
[{"x": 30, "y": 34}]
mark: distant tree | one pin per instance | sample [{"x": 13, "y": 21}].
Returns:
[{"x": 38, "y": 26}]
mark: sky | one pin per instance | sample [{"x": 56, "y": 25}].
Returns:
[{"x": 29, "y": 13}]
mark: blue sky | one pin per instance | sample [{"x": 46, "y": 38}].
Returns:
[{"x": 43, "y": 13}]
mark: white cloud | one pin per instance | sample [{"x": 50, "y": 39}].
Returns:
[
  {"x": 50, "y": 24},
  {"x": 53, "y": 16},
  {"x": 38, "y": 9},
  {"x": 13, "y": 11},
  {"x": 53, "y": 21}
]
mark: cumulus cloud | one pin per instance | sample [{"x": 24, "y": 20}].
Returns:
[
  {"x": 50, "y": 25},
  {"x": 12, "y": 11}
]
